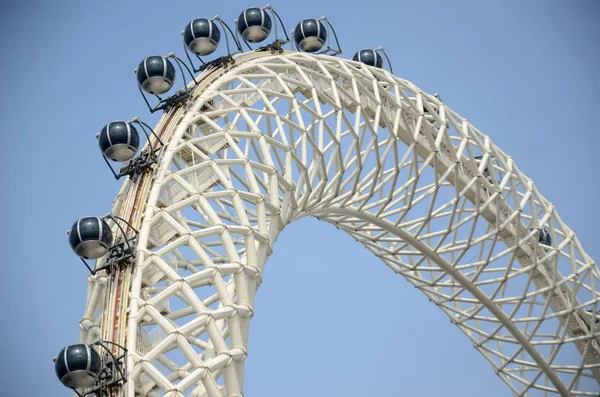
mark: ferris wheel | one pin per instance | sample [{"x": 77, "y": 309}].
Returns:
[{"x": 255, "y": 140}]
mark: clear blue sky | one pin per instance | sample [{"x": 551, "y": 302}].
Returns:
[{"x": 524, "y": 72}]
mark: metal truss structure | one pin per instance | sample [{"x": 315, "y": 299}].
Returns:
[{"x": 278, "y": 137}]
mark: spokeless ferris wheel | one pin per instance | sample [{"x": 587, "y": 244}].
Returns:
[{"x": 261, "y": 138}]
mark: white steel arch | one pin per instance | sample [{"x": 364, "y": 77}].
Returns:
[{"x": 277, "y": 137}]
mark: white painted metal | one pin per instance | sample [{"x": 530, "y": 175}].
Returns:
[{"x": 275, "y": 138}]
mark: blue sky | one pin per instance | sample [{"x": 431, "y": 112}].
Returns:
[{"x": 524, "y": 72}]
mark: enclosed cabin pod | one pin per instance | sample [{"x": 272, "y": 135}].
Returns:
[
  {"x": 312, "y": 35},
  {"x": 119, "y": 141},
  {"x": 156, "y": 76},
  {"x": 254, "y": 25},
  {"x": 201, "y": 36},
  {"x": 78, "y": 366},
  {"x": 486, "y": 170},
  {"x": 544, "y": 237},
  {"x": 430, "y": 109},
  {"x": 432, "y": 115},
  {"x": 90, "y": 237},
  {"x": 89, "y": 372},
  {"x": 491, "y": 171},
  {"x": 372, "y": 57},
  {"x": 369, "y": 57},
  {"x": 428, "y": 116}
]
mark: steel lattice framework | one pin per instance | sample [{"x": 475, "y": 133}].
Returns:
[{"x": 277, "y": 137}]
